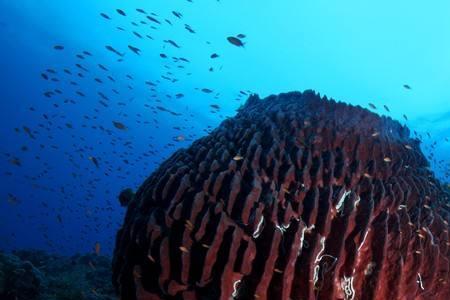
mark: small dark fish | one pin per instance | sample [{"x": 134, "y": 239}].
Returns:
[
  {"x": 15, "y": 161},
  {"x": 119, "y": 125},
  {"x": 153, "y": 20},
  {"x": 134, "y": 49},
  {"x": 163, "y": 55},
  {"x": 406, "y": 118},
  {"x": 189, "y": 28},
  {"x": 141, "y": 10},
  {"x": 48, "y": 94},
  {"x": 102, "y": 67},
  {"x": 372, "y": 106},
  {"x": 28, "y": 131},
  {"x": 406, "y": 86},
  {"x": 94, "y": 161},
  {"x": 43, "y": 75},
  {"x": 386, "y": 108},
  {"x": 207, "y": 91},
  {"x": 87, "y": 53},
  {"x": 105, "y": 16},
  {"x": 102, "y": 95},
  {"x": 81, "y": 67},
  {"x": 235, "y": 41},
  {"x": 214, "y": 55},
  {"x": 178, "y": 96},
  {"x": 215, "y": 106},
  {"x": 121, "y": 12},
  {"x": 177, "y": 14},
  {"x": 12, "y": 199},
  {"x": 110, "y": 48},
  {"x": 172, "y": 43},
  {"x": 58, "y": 47},
  {"x": 137, "y": 34},
  {"x": 241, "y": 36}
]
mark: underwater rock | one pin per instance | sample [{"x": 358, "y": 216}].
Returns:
[
  {"x": 296, "y": 197},
  {"x": 19, "y": 279},
  {"x": 37, "y": 275}
]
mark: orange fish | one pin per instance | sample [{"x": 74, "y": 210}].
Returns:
[{"x": 97, "y": 248}]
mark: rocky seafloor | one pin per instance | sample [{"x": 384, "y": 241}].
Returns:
[{"x": 38, "y": 275}]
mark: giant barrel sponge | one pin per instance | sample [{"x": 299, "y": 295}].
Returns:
[{"x": 296, "y": 197}]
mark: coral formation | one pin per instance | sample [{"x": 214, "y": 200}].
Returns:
[
  {"x": 297, "y": 197},
  {"x": 37, "y": 275}
]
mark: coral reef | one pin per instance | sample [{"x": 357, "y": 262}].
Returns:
[
  {"x": 37, "y": 275},
  {"x": 19, "y": 279},
  {"x": 297, "y": 197}
]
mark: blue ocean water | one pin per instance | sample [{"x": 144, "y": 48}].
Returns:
[{"x": 91, "y": 104}]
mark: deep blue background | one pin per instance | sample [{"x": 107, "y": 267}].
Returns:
[{"x": 359, "y": 52}]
